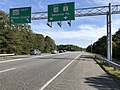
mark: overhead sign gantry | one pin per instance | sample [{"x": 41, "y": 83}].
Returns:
[{"x": 91, "y": 11}]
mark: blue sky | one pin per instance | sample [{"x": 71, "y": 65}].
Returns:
[{"x": 83, "y": 30}]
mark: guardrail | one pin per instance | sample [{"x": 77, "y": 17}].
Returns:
[
  {"x": 7, "y": 54},
  {"x": 113, "y": 64}
]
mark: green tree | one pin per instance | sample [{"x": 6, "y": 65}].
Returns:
[
  {"x": 116, "y": 45},
  {"x": 39, "y": 42},
  {"x": 69, "y": 47},
  {"x": 49, "y": 44},
  {"x": 99, "y": 47}
]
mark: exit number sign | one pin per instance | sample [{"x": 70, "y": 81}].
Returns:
[
  {"x": 61, "y": 12},
  {"x": 20, "y": 15}
]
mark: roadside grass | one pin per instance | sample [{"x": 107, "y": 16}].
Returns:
[
  {"x": 114, "y": 73},
  {"x": 116, "y": 61}
]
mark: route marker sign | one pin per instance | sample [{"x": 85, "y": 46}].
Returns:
[
  {"x": 61, "y": 12},
  {"x": 20, "y": 15}
]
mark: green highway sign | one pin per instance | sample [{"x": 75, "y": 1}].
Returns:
[
  {"x": 20, "y": 15},
  {"x": 61, "y": 12}
]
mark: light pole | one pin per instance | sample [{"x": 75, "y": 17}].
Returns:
[
  {"x": 91, "y": 50},
  {"x": 91, "y": 44}
]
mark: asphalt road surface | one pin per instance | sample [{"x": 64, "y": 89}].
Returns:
[{"x": 65, "y": 71}]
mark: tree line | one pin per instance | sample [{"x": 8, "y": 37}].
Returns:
[
  {"x": 21, "y": 42},
  {"x": 69, "y": 47},
  {"x": 100, "y": 46}
]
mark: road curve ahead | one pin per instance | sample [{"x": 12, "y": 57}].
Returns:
[{"x": 34, "y": 73}]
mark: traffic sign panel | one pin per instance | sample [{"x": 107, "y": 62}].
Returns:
[
  {"x": 61, "y": 12},
  {"x": 20, "y": 15}
]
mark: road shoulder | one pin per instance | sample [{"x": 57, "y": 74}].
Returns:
[{"x": 83, "y": 74}]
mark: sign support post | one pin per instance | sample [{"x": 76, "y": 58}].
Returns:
[{"x": 109, "y": 35}]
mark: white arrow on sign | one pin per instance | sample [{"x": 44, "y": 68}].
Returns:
[
  {"x": 65, "y": 17},
  {"x": 51, "y": 18}
]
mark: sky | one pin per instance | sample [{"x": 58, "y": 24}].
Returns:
[{"x": 84, "y": 30}]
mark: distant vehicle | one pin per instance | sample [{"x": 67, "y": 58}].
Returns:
[
  {"x": 54, "y": 52},
  {"x": 60, "y": 51},
  {"x": 35, "y": 52},
  {"x": 64, "y": 50}
]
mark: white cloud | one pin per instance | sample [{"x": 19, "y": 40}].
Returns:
[
  {"x": 92, "y": 31},
  {"x": 84, "y": 32},
  {"x": 3, "y": 2},
  {"x": 115, "y": 23},
  {"x": 105, "y": 2},
  {"x": 42, "y": 5}
]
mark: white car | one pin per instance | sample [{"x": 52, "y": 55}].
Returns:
[
  {"x": 54, "y": 52},
  {"x": 35, "y": 52}
]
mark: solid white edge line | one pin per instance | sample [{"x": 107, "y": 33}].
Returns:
[
  {"x": 7, "y": 70},
  {"x": 45, "y": 85}
]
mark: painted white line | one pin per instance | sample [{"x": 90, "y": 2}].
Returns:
[
  {"x": 26, "y": 58},
  {"x": 45, "y": 85},
  {"x": 7, "y": 70}
]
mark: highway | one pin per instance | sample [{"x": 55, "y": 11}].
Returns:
[{"x": 65, "y": 71}]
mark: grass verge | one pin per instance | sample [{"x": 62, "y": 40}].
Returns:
[{"x": 113, "y": 73}]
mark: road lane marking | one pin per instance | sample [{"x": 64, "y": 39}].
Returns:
[
  {"x": 27, "y": 58},
  {"x": 45, "y": 85},
  {"x": 7, "y": 70}
]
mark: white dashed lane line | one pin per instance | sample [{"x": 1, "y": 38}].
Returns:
[
  {"x": 12, "y": 60},
  {"x": 45, "y": 85},
  {"x": 6, "y": 70}
]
